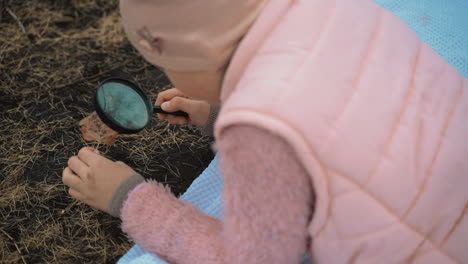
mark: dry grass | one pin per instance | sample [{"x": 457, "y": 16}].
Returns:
[{"x": 52, "y": 55}]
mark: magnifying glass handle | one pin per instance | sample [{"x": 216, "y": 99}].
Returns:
[{"x": 158, "y": 109}]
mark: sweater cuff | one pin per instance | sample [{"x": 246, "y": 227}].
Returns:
[
  {"x": 208, "y": 128},
  {"x": 122, "y": 192}
]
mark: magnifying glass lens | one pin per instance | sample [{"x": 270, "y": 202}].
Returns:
[{"x": 123, "y": 105}]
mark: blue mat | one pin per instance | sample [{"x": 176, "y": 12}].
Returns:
[{"x": 442, "y": 24}]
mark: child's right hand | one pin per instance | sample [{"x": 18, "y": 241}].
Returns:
[{"x": 174, "y": 100}]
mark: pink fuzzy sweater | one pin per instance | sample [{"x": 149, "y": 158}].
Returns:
[
  {"x": 268, "y": 199},
  {"x": 378, "y": 121}
]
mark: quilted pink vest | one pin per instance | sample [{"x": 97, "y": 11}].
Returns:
[{"x": 378, "y": 119}]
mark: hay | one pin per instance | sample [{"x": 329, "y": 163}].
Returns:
[{"x": 48, "y": 74}]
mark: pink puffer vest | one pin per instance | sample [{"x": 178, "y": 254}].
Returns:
[{"x": 378, "y": 119}]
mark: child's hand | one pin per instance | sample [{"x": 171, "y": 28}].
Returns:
[
  {"x": 93, "y": 179},
  {"x": 174, "y": 100}
]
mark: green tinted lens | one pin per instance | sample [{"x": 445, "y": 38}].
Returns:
[{"x": 124, "y": 105}]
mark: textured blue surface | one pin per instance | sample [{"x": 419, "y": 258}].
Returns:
[
  {"x": 442, "y": 24},
  {"x": 124, "y": 105}
]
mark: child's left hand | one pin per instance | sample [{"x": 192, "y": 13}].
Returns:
[{"x": 93, "y": 179}]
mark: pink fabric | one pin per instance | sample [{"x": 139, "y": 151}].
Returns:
[
  {"x": 377, "y": 118},
  {"x": 268, "y": 205}
]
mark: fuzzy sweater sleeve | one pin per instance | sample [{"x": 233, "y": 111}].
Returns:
[{"x": 268, "y": 204}]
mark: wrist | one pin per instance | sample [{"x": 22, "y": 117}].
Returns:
[
  {"x": 122, "y": 192},
  {"x": 208, "y": 128}
]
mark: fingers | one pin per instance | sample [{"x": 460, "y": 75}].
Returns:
[
  {"x": 167, "y": 96},
  {"x": 178, "y": 104},
  {"x": 78, "y": 166},
  {"x": 70, "y": 179},
  {"x": 162, "y": 116},
  {"x": 92, "y": 149},
  {"x": 178, "y": 120},
  {"x": 90, "y": 157},
  {"x": 76, "y": 194}
]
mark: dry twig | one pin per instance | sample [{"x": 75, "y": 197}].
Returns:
[{"x": 20, "y": 24}]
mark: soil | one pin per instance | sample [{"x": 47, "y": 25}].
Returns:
[{"x": 53, "y": 54}]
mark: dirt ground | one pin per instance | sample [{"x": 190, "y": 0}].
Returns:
[{"x": 53, "y": 53}]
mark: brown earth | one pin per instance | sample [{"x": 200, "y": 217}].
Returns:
[{"x": 52, "y": 56}]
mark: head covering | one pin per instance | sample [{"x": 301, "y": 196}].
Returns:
[{"x": 188, "y": 35}]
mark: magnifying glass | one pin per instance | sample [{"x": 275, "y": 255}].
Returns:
[{"x": 124, "y": 107}]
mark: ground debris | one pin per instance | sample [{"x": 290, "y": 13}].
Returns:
[{"x": 48, "y": 76}]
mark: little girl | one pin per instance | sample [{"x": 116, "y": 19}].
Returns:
[{"x": 342, "y": 135}]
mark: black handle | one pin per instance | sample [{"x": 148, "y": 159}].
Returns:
[{"x": 158, "y": 109}]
